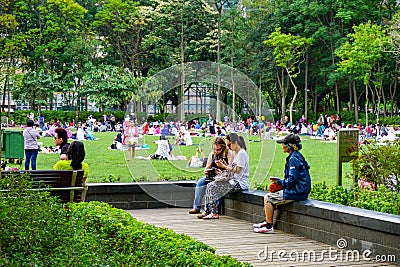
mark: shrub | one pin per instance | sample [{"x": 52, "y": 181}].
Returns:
[
  {"x": 376, "y": 162},
  {"x": 37, "y": 231},
  {"x": 383, "y": 199}
]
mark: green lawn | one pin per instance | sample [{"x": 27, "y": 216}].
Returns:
[{"x": 266, "y": 159}]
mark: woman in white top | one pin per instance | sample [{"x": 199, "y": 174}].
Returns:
[
  {"x": 162, "y": 151},
  {"x": 80, "y": 134},
  {"x": 236, "y": 178},
  {"x": 31, "y": 147}
]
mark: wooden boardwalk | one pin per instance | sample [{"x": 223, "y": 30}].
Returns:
[{"x": 231, "y": 236}]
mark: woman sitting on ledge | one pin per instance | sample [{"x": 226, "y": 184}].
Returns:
[{"x": 234, "y": 179}]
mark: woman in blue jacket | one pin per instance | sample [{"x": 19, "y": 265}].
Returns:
[{"x": 295, "y": 186}]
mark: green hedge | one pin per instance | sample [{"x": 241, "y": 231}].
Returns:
[
  {"x": 37, "y": 231},
  {"x": 382, "y": 199},
  {"x": 20, "y": 116}
]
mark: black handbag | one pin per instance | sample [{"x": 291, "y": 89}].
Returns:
[{"x": 209, "y": 178}]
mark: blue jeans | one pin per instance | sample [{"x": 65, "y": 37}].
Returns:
[
  {"x": 31, "y": 155},
  {"x": 199, "y": 193}
]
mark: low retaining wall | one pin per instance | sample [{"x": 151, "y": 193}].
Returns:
[
  {"x": 326, "y": 222},
  {"x": 143, "y": 195}
]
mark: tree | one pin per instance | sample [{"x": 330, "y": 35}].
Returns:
[
  {"x": 289, "y": 53},
  {"x": 11, "y": 46},
  {"x": 361, "y": 53},
  {"x": 233, "y": 41},
  {"x": 394, "y": 39},
  {"x": 177, "y": 37},
  {"x": 121, "y": 24}
]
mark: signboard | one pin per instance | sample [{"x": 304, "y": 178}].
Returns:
[{"x": 346, "y": 145}]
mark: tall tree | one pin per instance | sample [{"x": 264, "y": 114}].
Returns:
[
  {"x": 289, "y": 53},
  {"x": 121, "y": 24},
  {"x": 361, "y": 53},
  {"x": 178, "y": 37}
]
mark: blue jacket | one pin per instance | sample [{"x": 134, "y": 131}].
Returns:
[{"x": 296, "y": 183}]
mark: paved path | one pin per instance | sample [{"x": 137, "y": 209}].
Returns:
[{"x": 231, "y": 236}]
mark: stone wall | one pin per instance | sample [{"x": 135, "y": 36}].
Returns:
[
  {"x": 326, "y": 222},
  {"x": 143, "y": 195}
]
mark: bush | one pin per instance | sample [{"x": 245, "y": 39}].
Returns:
[
  {"x": 383, "y": 199},
  {"x": 37, "y": 231},
  {"x": 376, "y": 162}
]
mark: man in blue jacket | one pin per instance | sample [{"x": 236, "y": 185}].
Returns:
[{"x": 295, "y": 186}]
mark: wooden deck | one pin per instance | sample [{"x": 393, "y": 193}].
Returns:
[{"x": 235, "y": 237}]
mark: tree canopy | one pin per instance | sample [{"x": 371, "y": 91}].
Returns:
[{"x": 309, "y": 56}]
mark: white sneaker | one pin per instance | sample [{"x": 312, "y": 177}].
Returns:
[
  {"x": 264, "y": 230},
  {"x": 259, "y": 225}
]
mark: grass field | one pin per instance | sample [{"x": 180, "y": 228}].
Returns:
[{"x": 266, "y": 159}]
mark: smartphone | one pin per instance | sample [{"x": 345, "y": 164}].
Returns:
[{"x": 208, "y": 170}]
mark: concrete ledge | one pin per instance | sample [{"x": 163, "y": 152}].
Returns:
[
  {"x": 325, "y": 222},
  {"x": 143, "y": 195}
]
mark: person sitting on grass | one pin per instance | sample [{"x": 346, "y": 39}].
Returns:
[
  {"x": 75, "y": 157},
  {"x": 295, "y": 186},
  {"x": 61, "y": 140},
  {"x": 163, "y": 149}
]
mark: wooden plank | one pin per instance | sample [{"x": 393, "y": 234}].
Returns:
[{"x": 235, "y": 237}]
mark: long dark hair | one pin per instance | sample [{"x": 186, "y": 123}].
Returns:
[
  {"x": 242, "y": 143},
  {"x": 234, "y": 137},
  {"x": 76, "y": 153}
]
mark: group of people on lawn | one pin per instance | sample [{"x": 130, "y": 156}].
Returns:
[{"x": 227, "y": 170}]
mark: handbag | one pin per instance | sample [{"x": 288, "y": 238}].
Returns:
[{"x": 223, "y": 177}]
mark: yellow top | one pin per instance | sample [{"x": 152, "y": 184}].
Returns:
[{"x": 66, "y": 165}]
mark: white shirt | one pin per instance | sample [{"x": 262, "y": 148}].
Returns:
[
  {"x": 242, "y": 160},
  {"x": 163, "y": 148}
]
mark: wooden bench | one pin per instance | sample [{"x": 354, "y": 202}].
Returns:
[{"x": 66, "y": 184}]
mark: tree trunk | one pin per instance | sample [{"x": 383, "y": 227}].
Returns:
[
  {"x": 337, "y": 98},
  {"x": 393, "y": 93},
  {"x": 4, "y": 93},
  {"x": 233, "y": 90},
  {"x": 350, "y": 97},
  {"x": 283, "y": 98},
  {"x": 384, "y": 101},
  {"x": 366, "y": 105},
  {"x": 315, "y": 100},
  {"x": 294, "y": 96},
  {"x": 355, "y": 98},
  {"x": 306, "y": 90},
  {"x": 218, "y": 111},
  {"x": 181, "y": 89}
]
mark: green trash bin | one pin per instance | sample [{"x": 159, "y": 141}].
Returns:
[{"x": 13, "y": 144}]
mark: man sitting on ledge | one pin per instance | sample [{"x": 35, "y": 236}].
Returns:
[{"x": 295, "y": 186}]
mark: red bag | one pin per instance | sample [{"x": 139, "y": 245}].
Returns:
[{"x": 275, "y": 187}]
